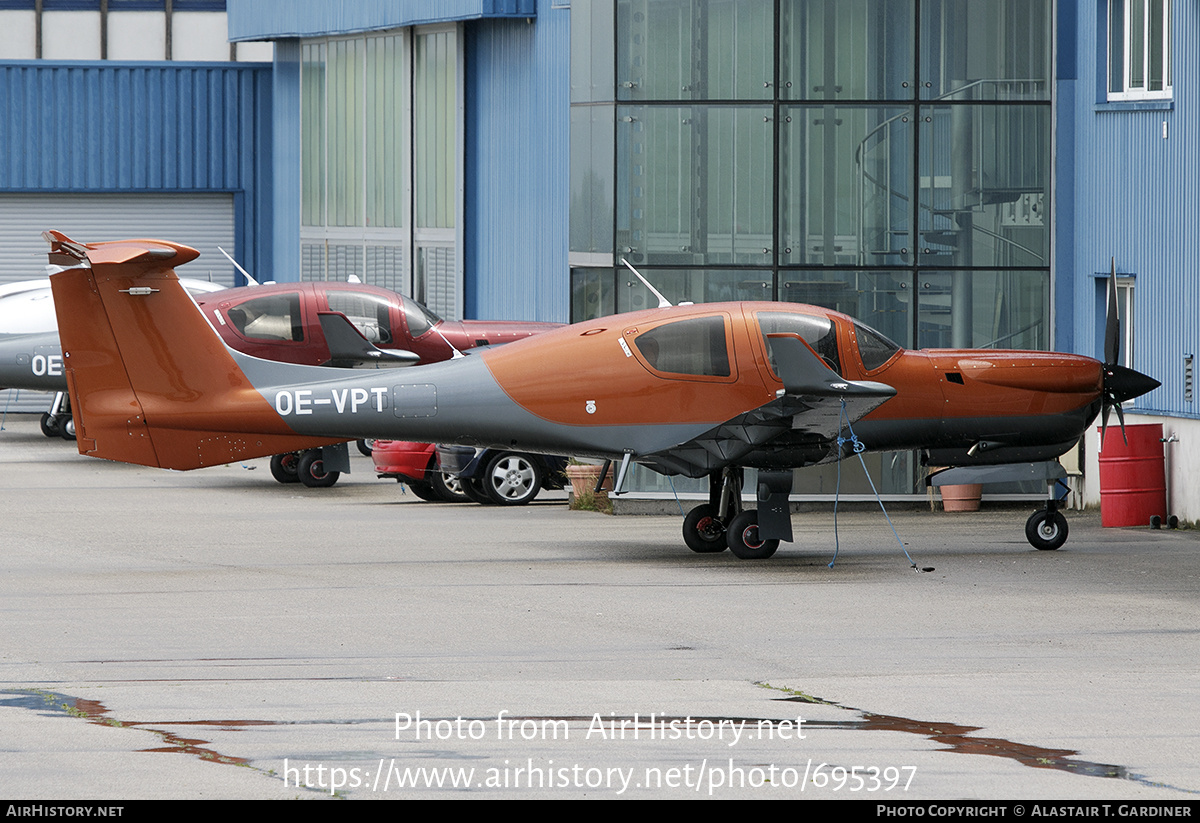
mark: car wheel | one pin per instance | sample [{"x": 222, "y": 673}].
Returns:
[
  {"x": 512, "y": 479},
  {"x": 473, "y": 488},
  {"x": 1046, "y": 530},
  {"x": 422, "y": 490},
  {"x": 447, "y": 487},
  {"x": 703, "y": 532},
  {"x": 311, "y": 470},
  {"x": 286, "y": 467},
  {"x": 743, "y": 538},
  {"x": 365, "y": 446}
]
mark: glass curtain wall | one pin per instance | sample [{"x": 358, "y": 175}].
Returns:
[
  {"x": 380, "y": 144},
  {"x": 884, "y": 158}
]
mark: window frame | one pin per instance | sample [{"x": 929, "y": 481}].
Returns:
[
  {"x": 1129, "y": 92},
  {"x": 1125, "y": 304}
]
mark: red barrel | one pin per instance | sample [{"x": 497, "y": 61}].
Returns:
[{"x": 1133, "y": 479}]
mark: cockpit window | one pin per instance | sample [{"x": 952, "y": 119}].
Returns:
[
  {"x": 817, "y": 332},
  {"x": 275, "y": 317},
  {"x": 419, "y": 318},
  {"x": 695, "y": 346},
  {"x": 368, "y": 313},
  {"x": 873, "y": 347}
]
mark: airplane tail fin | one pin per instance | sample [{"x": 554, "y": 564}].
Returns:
[{"x": 150, "y": 381}]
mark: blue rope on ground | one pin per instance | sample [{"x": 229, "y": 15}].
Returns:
[
  {"x": 671, "y": 480},
  {"x": 7, "y": 401},
  {"x": 858, "y": 447}
]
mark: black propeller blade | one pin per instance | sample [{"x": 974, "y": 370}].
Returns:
[{"x": 1120, "y": 383}]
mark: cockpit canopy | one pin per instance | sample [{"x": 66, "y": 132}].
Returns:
[
  {"x": 816, "y": 330},
  {"x": 280, "y": 316},
  {"x": 701, "y": 347}
]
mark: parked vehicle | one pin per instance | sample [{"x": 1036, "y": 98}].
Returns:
[
  {"x": 501, "y": 477},
  {"x": 415, "y": 465}
]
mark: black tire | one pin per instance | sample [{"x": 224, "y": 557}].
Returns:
[
  {"x": 286, "y": 467},
  {"x": 703, "y": 532},
  {"x": 66, "y": 428},
  {"x": 423, "y": 491},
  {"x": 743, "y": 538},
  {"x": 312, "y": 471},
  {"x": 365, "y": 446},
  {"x": 447, "y": 487},
  {"x": 512, "y": 479},
  {"x": 50, "y": 426},
  {"x": 1046, "y": 530},
  {"x": 474, "y": 491}
]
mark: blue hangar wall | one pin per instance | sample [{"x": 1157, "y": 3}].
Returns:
[
  {"x": 518, "y": 165},
  {"x": 163, "y": 127},
  {"x": 516, "y": 137},
  {"x": 1129, "y": 188}
]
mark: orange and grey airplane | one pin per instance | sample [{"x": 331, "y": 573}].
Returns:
[{"x": 698, "y": 390}]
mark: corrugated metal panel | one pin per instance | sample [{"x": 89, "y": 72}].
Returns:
[
  {"x": 103, "y": 126},
  {"x": 145, "y": 127},
  {"x": 272, "y": 20},
  {"x": 517, "y": 167},
  {"x": 1136, "y": 197}
]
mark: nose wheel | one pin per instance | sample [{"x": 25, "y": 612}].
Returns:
[{"x": 1046, "y": 529}]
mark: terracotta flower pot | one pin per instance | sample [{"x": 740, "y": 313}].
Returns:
[
  {"x": 583, "y": 487},
  {"x": 961, "y": 498}
]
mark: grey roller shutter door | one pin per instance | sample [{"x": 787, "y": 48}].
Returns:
[{"x": 203, "y": 221}]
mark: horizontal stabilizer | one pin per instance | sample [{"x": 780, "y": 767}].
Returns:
[{"x": 150, "y": 381}]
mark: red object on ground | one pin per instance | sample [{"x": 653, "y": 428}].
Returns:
[{"x": 1133, "y": 485}]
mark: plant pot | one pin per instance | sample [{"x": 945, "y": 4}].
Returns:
[
  {"x": 961, "y": 498},
  {"x": 583, "y": 479}
]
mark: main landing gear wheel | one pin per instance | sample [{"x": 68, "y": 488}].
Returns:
[
  {"x": 67, "y": 428},
  {"x": 312, "y": 471},
  {"x": 512, "y": 479},
  {"x": 50, "y": 425},
  {"x": 286, "y": 467},
  {"x": 1046, "y": 530},
  {"x": 703, "y": 532},
  {"x": 743, "y": 538}
]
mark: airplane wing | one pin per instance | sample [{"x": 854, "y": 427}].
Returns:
[{"x": 801, "y": 424}]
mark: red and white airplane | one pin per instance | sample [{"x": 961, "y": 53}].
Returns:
[{"x": 699, "y": 390}]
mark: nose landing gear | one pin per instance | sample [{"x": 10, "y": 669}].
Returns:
[{"x": 1046, "y": 529}]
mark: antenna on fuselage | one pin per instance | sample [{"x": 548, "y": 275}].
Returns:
[
  {"x": 238, "y": 266},
  {"x": 663, "y": 303},
  {"x": 455, "y": 353}
]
